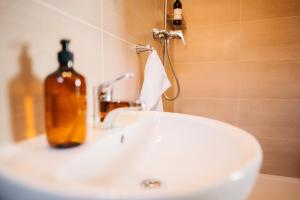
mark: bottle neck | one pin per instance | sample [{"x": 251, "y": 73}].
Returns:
[
  {"x": 177, "y": 5},
  {"x": 66, "y": 67}
]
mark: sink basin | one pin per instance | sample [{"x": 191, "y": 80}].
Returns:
[{"x": 148, "y": 155}]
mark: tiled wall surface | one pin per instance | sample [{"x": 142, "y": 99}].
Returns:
[
  {"x": 103, "y": 34},
  {"x": 242, "y": 65},
  {"x": 275, "y": 188}
]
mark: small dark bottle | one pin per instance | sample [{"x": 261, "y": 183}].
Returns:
[
  {"x": 177, "y": 7},
  {"x": 65, "y": 103}
]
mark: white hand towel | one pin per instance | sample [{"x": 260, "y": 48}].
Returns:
[{"x": 155, "y": 83}]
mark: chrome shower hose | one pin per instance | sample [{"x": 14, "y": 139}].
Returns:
[{"x": 166, "y": 54}]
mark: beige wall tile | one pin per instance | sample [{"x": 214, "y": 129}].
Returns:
[
  {"x": 89, "y": 10},
  {"x": 260, "y": 9},
  {"x": 275, "y": 39},
  {"x": 275, "y": 116},
  {"x": 275, "y": 188},
  {"x": 219, "y": 109},
  {"x": 290, "y": 159},
  {"x": 270, "y": 80},
  {"x": 282, "y": 163},
  {"x": 275, "y": 132},
  {"x": 281, "y": 156},
  {"x": 130, "y": 19},
  {"x": 159, "y": 15},
  {"x": 285, "y": 112},
  {"x": 209, "y": 43},
  {"x": 210, "y": 12},
  {"x": 276, "y": 125},
  {"x": 220, "y": 80},
  {"x": 120, "y": 58},
  {"x": 280, "y": 149},
  {"x": 281, "y": 168}
]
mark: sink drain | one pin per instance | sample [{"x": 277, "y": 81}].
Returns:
[
  {"x": 151, "y": 183},
  {"x": 122, "y": 139}
]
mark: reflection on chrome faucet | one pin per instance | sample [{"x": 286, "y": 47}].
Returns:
[
  {"x": 108, "y": 122},
  {"x": 104, "y": 103}
]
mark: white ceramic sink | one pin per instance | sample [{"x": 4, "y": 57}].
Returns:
[{"x": 152, "y": 155}]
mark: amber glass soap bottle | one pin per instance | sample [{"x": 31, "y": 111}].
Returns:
[{"x": 65, "y": 103}]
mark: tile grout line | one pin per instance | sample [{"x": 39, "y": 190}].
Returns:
[
  {"x": 83, "y": 22},
  {"x": 239, "y": 21},
  {"x": 270, "y": 18},
  {"x": 204, "y": 62},
  {"x": 273, "y": 60},
  {"x": 240, "y": 70},
  {"x": 276, "y": 138},
  {"x": 244, "y": 99},
  {"x": 208, "y": 98},
  {"x": 66, "y": 14},
  {"x": 118, "y": 38},
  {"x": 102, "y": 44},
  {"x": 215, "y": 24},
  {"x": 239, "y": 61}
]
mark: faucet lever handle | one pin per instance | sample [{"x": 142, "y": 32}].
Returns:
[
  {"x": 179, "y": 35},
  {"x": 105, "y": 89},
  {"x": 182, "y": 38},
  {"x": 122, "y": 77}
]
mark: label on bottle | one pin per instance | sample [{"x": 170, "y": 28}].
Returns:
[{"x": 177, "y": 13}]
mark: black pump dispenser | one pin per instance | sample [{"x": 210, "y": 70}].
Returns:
[{"x": 65, "y": 57}]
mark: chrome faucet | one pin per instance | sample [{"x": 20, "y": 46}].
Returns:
[
  {"x": 104, "y": 103},
  {"x": 166, "y": 35}
]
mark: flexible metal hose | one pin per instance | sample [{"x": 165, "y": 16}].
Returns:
[{"x": 166, "y": 54}]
